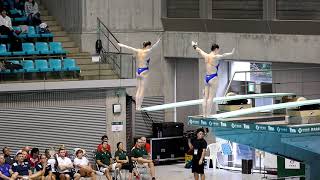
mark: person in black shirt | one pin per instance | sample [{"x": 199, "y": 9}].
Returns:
[
  {"x": 123, "y": 159},
  {"x": 199, "y": 146},
  {"x": 43, "y": 168},
  {"x": 7, "y": 155},
  {"x": 20, "y": 168}
]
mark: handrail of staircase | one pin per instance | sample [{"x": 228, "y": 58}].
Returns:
[
  {"x": 272, "y": 70},
  {"x": 114, "y": 58},
  {"x": 113, "y": 63},
  {"x": 107, "y": 35},
  {"x": 107, "y": 29}
]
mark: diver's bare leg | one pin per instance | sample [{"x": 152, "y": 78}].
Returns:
[
  {"x": 212, "y": 93},
  {"x": 205, "y": 97}
]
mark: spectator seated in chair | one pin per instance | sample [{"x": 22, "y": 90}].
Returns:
[
  {"x": 105, "y": 162},
  {"x": 34, "y": 158},
  {"x": 32, "y": 12},
  {"x": 6, "y": 26},
  {"x": 141, "y": 156},
  {"x": 7, "y": 156},
  {"x": 82, "y": 165},
  {"x": 21, "y": 168},
  {"x": 52, "y": 160},
  {"x": 65, "y": 167},
  {"x": 44, "y": 170},
  {"x": 123, "y": 159},
  {"x": 5, "y": 169}
]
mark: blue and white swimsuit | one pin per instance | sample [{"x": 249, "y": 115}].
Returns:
[
  {"x": 141, "y": 70},
  {"x": 211, "y": 76}
]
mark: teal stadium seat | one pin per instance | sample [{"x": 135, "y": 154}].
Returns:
[
  {"x": 57, "y": 48},
  {"x": 3, "y": 50},
  {"x": 55, "y": 64},
  {"x": 28, "y": 66},
  {"x": 32, "y": 32},
  {"x": 43, "y": 48},
  {"x": 27, "y": 49},
  {"x": 41, "y": 65},
  {"x": 70, "y": 65}
]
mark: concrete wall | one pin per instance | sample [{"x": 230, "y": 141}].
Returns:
[
  {"x": 257, "y": 47},
  {"x": 304, "y": 82},
  {"x": 112, "y": 98},
  {"x": 68, "y": 14},
  {"x": 141, "y": 16},
  {"x": 120, "y": 16}
]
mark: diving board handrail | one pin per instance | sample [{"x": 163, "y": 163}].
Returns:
[
  {"x": 256, "y": 71},
  {"x": 263, "y": 108}
]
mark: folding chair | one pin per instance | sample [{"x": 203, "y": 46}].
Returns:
[{"x": 141, "y": 171}]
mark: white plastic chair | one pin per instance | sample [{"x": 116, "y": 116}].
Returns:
[{"x": 214, "y": 148}]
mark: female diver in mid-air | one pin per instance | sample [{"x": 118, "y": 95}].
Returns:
[
  {"x": 142, "y": 61},
  {"x": 211, "y": 79}
]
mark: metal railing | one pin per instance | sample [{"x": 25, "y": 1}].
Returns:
[
  {"x": 301, "y": 71},
  {"x": 283, "y": 178},
  {"x": 123, "y": 64}
]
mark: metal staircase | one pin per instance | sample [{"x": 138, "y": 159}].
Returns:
[{"x": 113, "y": 64}]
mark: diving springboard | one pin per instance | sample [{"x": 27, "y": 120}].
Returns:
[
  {"x": 215, "y": 100},
  {"x": 263, "y": 108}
]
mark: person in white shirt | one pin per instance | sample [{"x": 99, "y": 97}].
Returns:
[
  {"x": 5, "y": 20},
  {"x": 65, "y": 166},
  {"x": 32, "y": 12},
  {"x": 82, "y": 165},
  {"x": 52, "y": 161},
  {"x": 6, "y": 29},
  {"x": 5, "y": 24}
]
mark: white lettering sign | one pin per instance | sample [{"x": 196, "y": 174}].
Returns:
[
  {"x": 245, "y": 126},
  {"x": 291, "y": 164},
  {"x": 223, "y": 124},
  {"x": 270, "y": 128}
]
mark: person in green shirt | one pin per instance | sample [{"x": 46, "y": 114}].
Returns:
[
  {"x": 122, "y": 158},
  {"x": 104, "y": 160},
  {"x": 140, "y": 155}
]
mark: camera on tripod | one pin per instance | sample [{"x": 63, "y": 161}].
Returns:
[{"x": 192, "y": 134}]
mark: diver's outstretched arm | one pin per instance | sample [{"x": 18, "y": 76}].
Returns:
[
  {"x": 128, "y": 47},
  {"x": 200, "y": 51},
  {"x": 225, "y": 54},
  {"x": 155, "y": 44}
]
